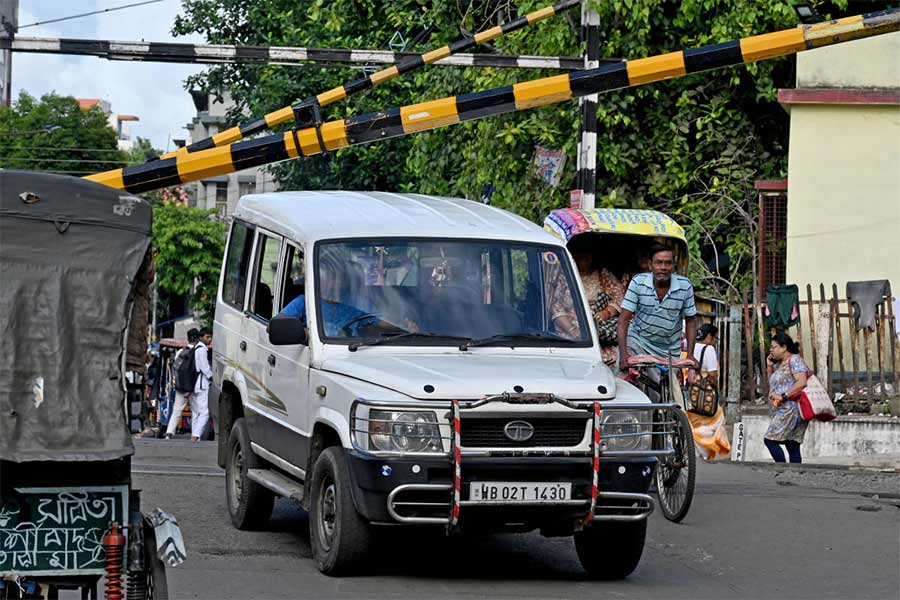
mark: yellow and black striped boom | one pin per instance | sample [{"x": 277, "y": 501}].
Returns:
[
  {"x": 449, "y": 111},
  {"x": 283, "y": 115}
]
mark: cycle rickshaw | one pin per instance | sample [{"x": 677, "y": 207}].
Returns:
[
  {"x": 76, "y": 266},
  {"x": 618, "y": 240}
]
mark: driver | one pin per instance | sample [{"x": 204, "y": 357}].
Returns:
[{"x": 335, "y": 314}]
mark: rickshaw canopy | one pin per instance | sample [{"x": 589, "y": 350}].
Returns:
[
  {"x": 70, "y": 255},
  {"x": 568, "y": 223}
]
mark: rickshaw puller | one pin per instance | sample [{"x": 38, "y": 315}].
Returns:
[{"x": 652, "y": 312}]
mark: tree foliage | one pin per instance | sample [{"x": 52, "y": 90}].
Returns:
[
  {"x": 189, "y": 247},
  {"x": 55, "y": 134},
  {"x": 660, "y": 145}
]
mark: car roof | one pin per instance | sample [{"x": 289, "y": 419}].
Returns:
[{"x": 312, "y": 216}]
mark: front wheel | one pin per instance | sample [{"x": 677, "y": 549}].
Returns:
[
  {"x": 155, "y": 583},
  {"x": 675, "y": 474},
  {"x": 611, "y": 550},
  {"x": 339, "y": 536}
]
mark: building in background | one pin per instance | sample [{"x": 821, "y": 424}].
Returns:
[
  {"x": 843, "y": 201},
  {"x": 222, "y": 191},
  {"x": 9, "y": 23},
  {"x": 120, "y": 123}
]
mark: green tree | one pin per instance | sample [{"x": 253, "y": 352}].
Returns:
[
  {"x": 659, "y": 146},
  {"x": 142, "y": 151},
  {"x": 55, "y": 134},
  {"x": 189, "y": 246}
]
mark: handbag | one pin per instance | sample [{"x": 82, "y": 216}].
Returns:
[
  {"x": 702, "y": 396},
  {"x": 814, "y": 401}
]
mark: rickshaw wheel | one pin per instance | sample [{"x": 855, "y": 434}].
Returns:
[
  {"x": 675, "y": 474},
  {"x": 155, "y": 585}
]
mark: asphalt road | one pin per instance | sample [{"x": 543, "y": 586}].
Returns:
[{"x": 751, "y": 533}]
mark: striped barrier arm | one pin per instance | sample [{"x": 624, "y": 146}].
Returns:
[
  {"x": 273, "y": 119},
  {"x": 217, "y": 54},
  {"x": 450, "y": 111}
]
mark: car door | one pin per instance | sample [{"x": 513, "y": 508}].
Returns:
[
  {"x": 288, "y": 373},
  {"x": 255, "y": 343}
]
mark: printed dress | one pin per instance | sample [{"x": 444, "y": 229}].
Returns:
[{"x": 786, "y": 424}]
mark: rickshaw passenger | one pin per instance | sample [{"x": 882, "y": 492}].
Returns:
[
  {"x": 652, "y": 312},
  {"x": 605, "y": 293}
]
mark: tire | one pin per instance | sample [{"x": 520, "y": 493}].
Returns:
[
  {"x": 156, "y": 585},
  {"x": 249, "y": 504},
  {"x": 610, "y": 550},
  {"x": 675, "y": 475},
  {"x": 339, "y": 536}
]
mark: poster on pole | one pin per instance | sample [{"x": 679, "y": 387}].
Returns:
[{"x": 549, "y": 164}]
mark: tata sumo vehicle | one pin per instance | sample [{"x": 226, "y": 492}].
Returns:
[
  {"x": 398, "y": 359},
  {"x": 74, "y": 282}
]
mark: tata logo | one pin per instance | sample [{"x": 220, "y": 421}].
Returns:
[{"x": 519, "y": 431}]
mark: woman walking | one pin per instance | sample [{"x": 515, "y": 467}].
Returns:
[{"x": 787, "y": 378}]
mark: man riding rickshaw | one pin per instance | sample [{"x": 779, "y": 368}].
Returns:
[{"x": 629, "y": 262}]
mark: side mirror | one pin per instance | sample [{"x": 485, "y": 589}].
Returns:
[{"x": 287, "y": 331}]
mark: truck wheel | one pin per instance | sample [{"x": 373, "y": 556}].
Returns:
[
  {"x": 611, "y": 549},
  {"x": 249, "y": 503},
  {"x": 339, "y": 536}
]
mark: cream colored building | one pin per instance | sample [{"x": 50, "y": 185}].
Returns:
[{"x": 843, "y": 208}]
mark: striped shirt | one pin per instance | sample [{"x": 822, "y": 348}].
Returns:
[{"x": 656, "y": 326}]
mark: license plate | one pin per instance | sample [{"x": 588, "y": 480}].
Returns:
[{"x": 490, "y": 492}]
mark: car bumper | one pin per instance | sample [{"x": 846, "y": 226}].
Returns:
[{"x": 417, "y": 490}]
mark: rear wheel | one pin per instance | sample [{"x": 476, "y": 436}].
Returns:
[
  {"x": 339, "y": 536},
  {"x": 675, "y": 474},
  {"x": 611, "y": 549},
  {"x": 249, "y": 504}
]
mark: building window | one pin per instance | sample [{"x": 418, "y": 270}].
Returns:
[
  {"x": 222, "y": 198},
  {"x": 772, "y": 233},
  {"x": 246, "y": 187}
]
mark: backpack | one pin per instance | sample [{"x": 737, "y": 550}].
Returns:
[{"x": 185, "y": 371}]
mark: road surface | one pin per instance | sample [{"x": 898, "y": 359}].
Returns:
[{"x": 751, "y": 533}]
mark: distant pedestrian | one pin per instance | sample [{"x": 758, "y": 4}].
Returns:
[
  {"x": 710, "y": 436},
  {"x": 181, "y": 398},
  {"x": 787, "y": 378},
  {"x": 200, "y": 398}
]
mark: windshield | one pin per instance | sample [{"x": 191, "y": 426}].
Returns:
[{"x": 445, "y": 291}]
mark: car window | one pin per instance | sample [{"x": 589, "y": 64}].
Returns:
[
  {"x": 455, "y": 288},
  {"x": 237, "y": 263},
  {"x": 268, "y": 250},
  {"x": 292, "y": 281}
]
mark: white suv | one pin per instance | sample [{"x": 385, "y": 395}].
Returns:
[{"x": 403, "y": 359}]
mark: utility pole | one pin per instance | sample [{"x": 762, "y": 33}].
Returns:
[{"x": 586, "y": 180}]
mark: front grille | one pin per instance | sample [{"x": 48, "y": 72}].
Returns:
[{"x": 548, "y": 432}]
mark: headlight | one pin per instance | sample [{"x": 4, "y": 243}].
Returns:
[
  {"x": 406, "y": 431},
  {"x": 622, "y": 430}
]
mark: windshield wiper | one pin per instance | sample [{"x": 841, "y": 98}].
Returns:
[
  {"x": 512, "y": 337},
  {"x": 405, "y": 336}
]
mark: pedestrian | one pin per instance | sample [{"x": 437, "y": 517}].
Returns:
[
  {"x": 658, "y": 302},
  {"x": 705, "y": 352},
  {"x": 181, "y": 398},
  {"x": 787, "y": 378},
  {"x": 710, "y": 435},
  {"x": 200, "y": 398}
]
